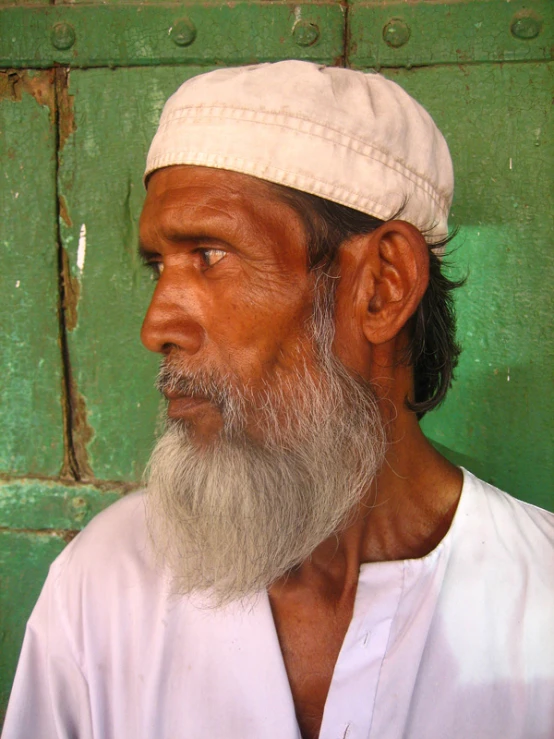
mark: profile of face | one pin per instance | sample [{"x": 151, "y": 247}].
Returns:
[{"x": 271, "y": 442}]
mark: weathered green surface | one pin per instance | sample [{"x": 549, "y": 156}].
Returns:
[
  {"x": 24, "y": 561},
  {"x": 42, "y": 504},
  {"x": 116, "y": 113},
  {"x": 449, "y": 32},
  {"x": 20, "y": 2},
  {"x": 31, "y": 441},
  {"x": 131, "y": 34},
  {"x": 499, "y": 124}
]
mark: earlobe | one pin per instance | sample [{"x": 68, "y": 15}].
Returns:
[{"x": 398, "y": 259}]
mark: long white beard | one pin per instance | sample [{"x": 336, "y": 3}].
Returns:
[{"x": 236, "y": 515}]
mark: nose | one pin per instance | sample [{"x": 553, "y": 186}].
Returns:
[{"x": 169, "y": 322}]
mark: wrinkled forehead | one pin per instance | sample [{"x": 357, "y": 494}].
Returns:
[
  {"x": 186, "y": 200},
  {"x": 180, "y": 188},
  {"x": 237, "y": 185}
]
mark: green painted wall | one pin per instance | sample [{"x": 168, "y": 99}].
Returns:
[{"x": 77, "y": 404}]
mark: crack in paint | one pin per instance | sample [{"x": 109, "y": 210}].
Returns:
[
  {"x": 64, "y": 211},
  {"x": 82, "y": 432},
  {"x": 65, "y": 111},
  {"x": 66, "y": 535},
  {"x": 77, "y": 432},
  {"x": 71, "y": 291}
]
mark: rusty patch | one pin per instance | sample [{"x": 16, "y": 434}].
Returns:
[
  {"x": 82, "y": 434},
  {"x": 117, "y": 486},
  {"x": 61, "y": 533},
  {"x": 64, "y": 212},
  {"x": 66, "y": 116},
  {"x": 68, "y": 536}
]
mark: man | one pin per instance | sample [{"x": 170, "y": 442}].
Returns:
[{"x": 303, "y": 562}]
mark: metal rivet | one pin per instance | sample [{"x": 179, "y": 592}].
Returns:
[
  {"x": 526, "y": 27},
  {"x": 305, "y": 33},
  {"x": 182, "y": 32},
  {"x": 63, "y": 36},
  {"x": 396, "y": 33}
]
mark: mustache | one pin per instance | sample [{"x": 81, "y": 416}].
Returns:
[{"x": 204, "y": 385}]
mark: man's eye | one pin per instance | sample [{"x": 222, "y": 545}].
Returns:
[
  {"x": 211, "y": 257},
  {"x": 156, "y": 269}
]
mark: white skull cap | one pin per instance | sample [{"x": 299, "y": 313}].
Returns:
[{"x": 354, "y": 138}]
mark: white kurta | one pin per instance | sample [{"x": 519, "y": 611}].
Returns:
[{"x": 456, "y": 645}]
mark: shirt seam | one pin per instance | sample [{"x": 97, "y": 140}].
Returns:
[{"x": 387, "y": 647}]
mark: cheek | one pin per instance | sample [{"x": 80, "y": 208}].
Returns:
[{"x": 262, "y": 328}]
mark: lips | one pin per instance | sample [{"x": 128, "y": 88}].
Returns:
[{"x": 183, "y": 405}]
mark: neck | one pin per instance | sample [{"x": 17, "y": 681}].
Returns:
[{"x": 405, "y": 513}]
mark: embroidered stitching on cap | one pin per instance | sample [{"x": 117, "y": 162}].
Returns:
[
  {"x": 368, "y": 150},
  {"x": 260, "y": 168},
  {"x": 222, "y": 112}
]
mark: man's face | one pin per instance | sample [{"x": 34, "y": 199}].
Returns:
[
  {"x": 271, "y": 442},
  {"x": 234, "y": 291}
]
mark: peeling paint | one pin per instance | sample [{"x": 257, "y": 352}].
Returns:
[
  {"x": 39, "y": 85},
  {"x": 10, "y": 86},
  {"x": 82, "y": 248}
]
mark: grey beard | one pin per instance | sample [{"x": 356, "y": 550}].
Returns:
[{"x": 233, "y": 517}]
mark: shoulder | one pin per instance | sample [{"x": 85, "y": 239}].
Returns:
[
  {"x": 99, "y": 583},
  {"x": 497, "y": 599},
  {"x": 505, "y": 524},
  {"x": 116, "y": 535},
  {"x": 502, "y": 551},
  {"x": 491, "y": 642},
  {"x": 110, "y": 559}
]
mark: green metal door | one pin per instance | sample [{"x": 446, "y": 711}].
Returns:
[{"x": 81, "y": 89}]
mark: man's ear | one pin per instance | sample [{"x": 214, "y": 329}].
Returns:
[{"x": 394, "y": 276}]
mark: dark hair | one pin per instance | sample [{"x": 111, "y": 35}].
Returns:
[{"x": 432, "y": 349}]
